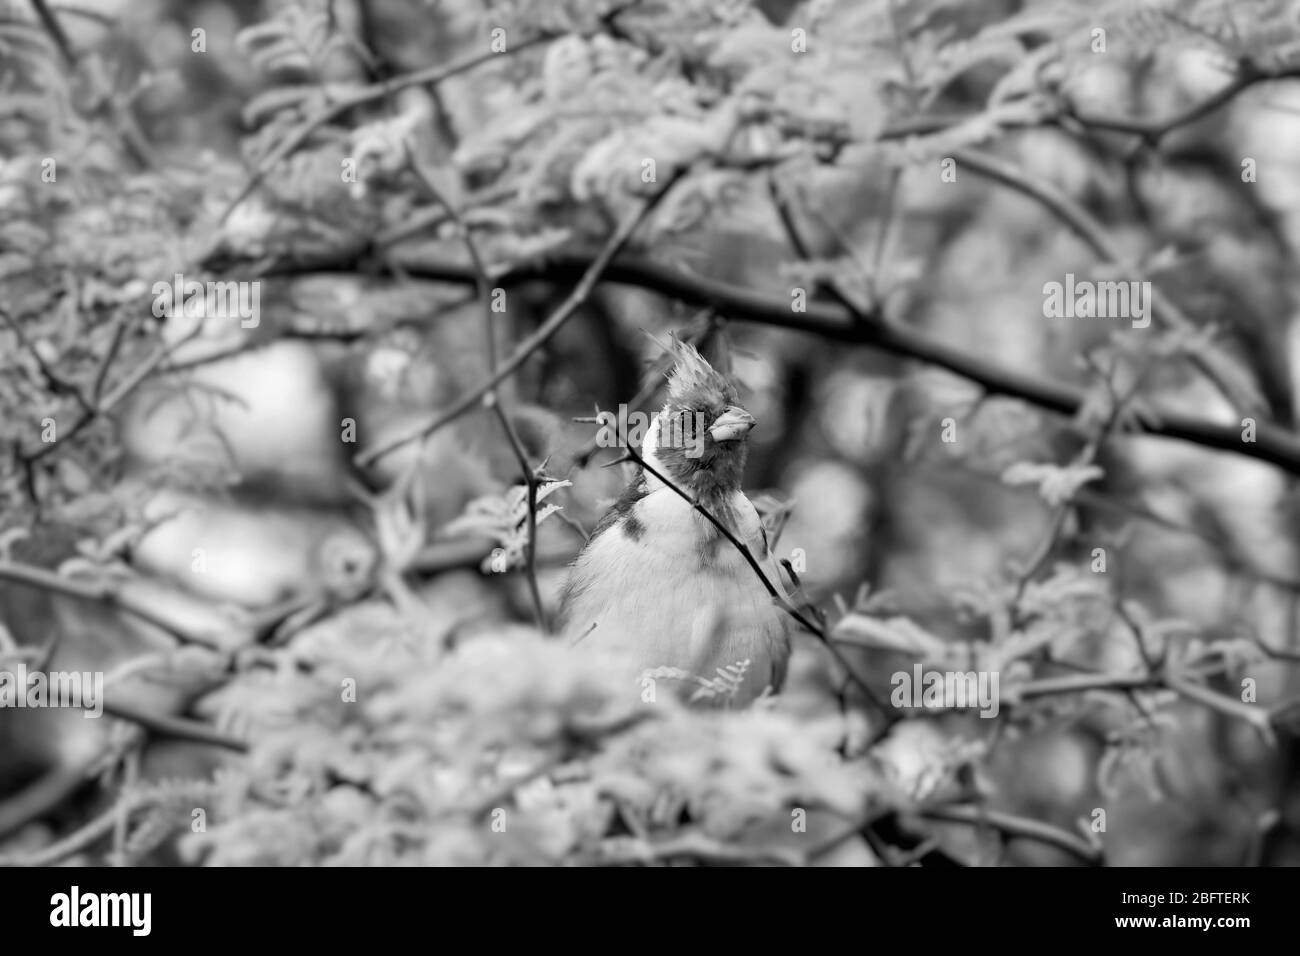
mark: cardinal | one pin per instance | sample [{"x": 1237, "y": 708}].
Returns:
[{"x": 659, "y": 591}]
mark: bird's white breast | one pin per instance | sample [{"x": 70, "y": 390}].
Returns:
[{"x": 671, "y": 596}]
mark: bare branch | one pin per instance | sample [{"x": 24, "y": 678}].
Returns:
[
  {"x": 492, "y": 400},
  {"x": 175, "y": 728},
  {"x": 591, "y": 273},
  {"x": 103, "y": 592},
  {"x": 429, "y": 76},
  {"x": 1094, "y": 235},
  {"x": 1023, "y": 827},
  {"x": 1152, "y": 131},
  {"x": 1272, "y": 443}
]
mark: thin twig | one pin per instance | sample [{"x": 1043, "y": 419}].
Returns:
[
  {"x": 1094, "y": 235},
  {"x": 433, "y": 217},
  {"x": 114, "y": 397},
  {"x": 530, "y": 488},
  {"x": 1263, "y": 719},
  {"x": 786, "y": 215},
  {"x": 1235, "y": 563},
  {"x": 651, "y": 385},
  {"x": 56, "y": 382},
  {"x": 94, "y": 831},
  {"x": 1016, "y": 826},
  {"x": 175, "y": 728},
  {"x": 1258, "y": 717},
  {"x": 591, "y": 274},
  {"x": 1272, "y": 444},
  {"x": 42, "y": 796},
  {"x": 492, "y": 399},
  {"x": 124, "y": 125},
  {"x": 573, "y": 523},
  {"x": 1082, "y": 683},
  {"x": 691, "y": 845},
  {"x": 367, "y": 94},
  {"x": 1151, "y": 131},
  {"x": 1061, "y": 514},
  {"x": 116, "y": 337},
  {"x": 55, "y": 29},
  {"x": 778, "y": 596},
  {"x": 104, "y": 592}
]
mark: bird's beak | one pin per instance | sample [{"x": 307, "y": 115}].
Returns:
[{"x": 732, "y": 425}]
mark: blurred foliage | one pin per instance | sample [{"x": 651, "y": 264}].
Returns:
[{"x": 1122, "y": 586}]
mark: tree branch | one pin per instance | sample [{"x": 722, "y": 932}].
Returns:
[
  {"x": 1015, "y": 826},
  {"x": 1094, "y": 235},
  {"x": 1272, "y": 444},
  {"x": 102, "y": 592},
  {"x": 589, "y": 274},
  {"x": 175, "y": 728},
  {"x": 366, "y": 94},
  {"x": 1151, "y": 131},
  {"x": 492, "y": 399}
]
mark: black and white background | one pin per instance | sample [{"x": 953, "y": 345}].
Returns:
[{"x": 309, "y": 310}]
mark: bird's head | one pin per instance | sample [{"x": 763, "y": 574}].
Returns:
[{"x": 699, "y": 439}]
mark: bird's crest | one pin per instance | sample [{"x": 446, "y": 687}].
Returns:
[{"x": 693, "y": 380}]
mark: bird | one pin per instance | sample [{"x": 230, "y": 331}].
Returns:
[{"x": 658, "y": 591}]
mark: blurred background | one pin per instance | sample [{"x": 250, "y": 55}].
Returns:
[{"x": 872, "y": 201}]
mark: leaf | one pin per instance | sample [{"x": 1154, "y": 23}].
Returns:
[
  {"x": 1056, "y": 484},
  {"x": 505, "y": 519},
  {"x": 892, "y": 634},
  {"x": 725, "y": 685}
]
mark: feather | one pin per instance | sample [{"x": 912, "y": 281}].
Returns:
[
  {"x": 693, "y": 381},
  {"x": 657, "y": 591}
]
